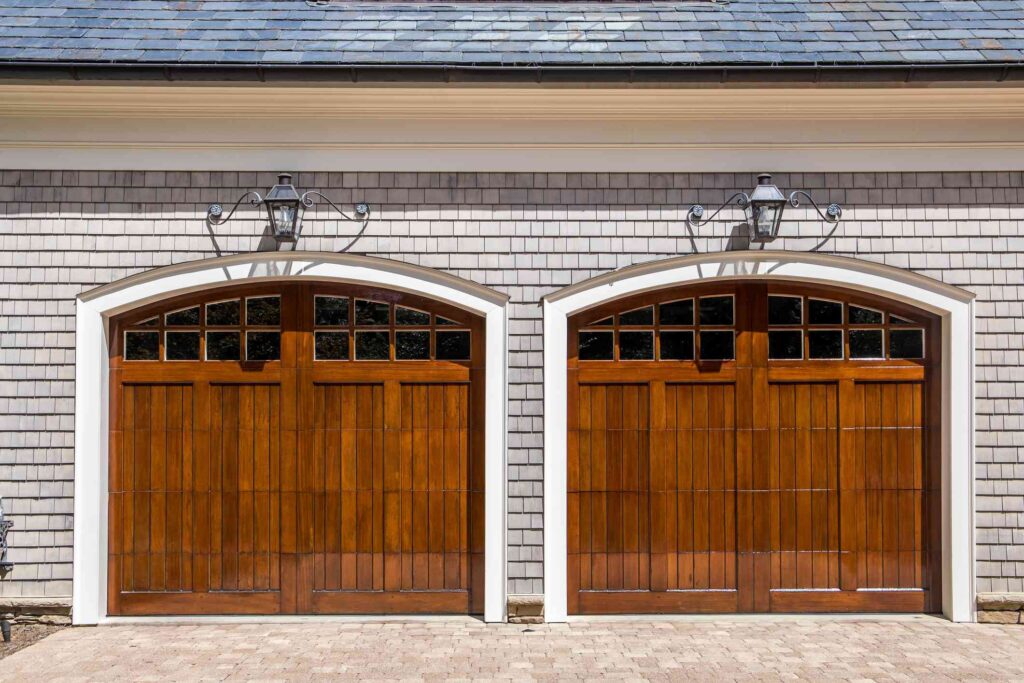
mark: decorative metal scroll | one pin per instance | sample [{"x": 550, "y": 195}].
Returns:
[{"x": 5, "y": 526}]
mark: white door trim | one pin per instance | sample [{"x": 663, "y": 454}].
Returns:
[
  {"x": 95, "y": 308},
  {"x": 954, "y": 306}
]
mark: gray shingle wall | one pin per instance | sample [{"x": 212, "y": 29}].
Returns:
[{"x": 524, "y": 234}]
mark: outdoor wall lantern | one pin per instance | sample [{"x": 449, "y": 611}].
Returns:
[
  {"x": 763, "y": 208},
  {"x": 285, "y": 207}
]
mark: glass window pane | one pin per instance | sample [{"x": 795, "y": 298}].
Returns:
[
  {"x": 899, "y": 320},
  {"x": 716, "y": 310},
  {"x": 906, "y": 343},
  {"x": 263, "y": 310},
  {"x": 371, "y": 312},
  {"x": 864, "y": 316},
  {"x": 182, "y": 346},
  {"x": 438, "y": 320},
  {"x": 412, "y": 345},
  {"x": 142, "y": 346},
  {"x": 676, "y": 313},
  {"x": 641, "y": 316},
  {"x": 677, "y": 345},
  {"x": 331, "y": 346},
  {"x": 821, "y": 312},
  {"x": 263, "y": 345},
  {"x": 866, "y": 344},
  {"x": 603, "y": 322},
  {"x": 785, "y": 310},
  {"x": 636, "y": 345},
  {"x": 330, "y": 310},
  {"x": 184, "y": 317},
  {"x": 825, "y": 344},
  {"x": 149, "y": 322},
  {"x": 223, "y": 345},
  {"x": 596, "y": 346},
  {"x": 717, "y": 345},
  {"x": 785, "y": 345},
  {"x": 224, "y": 313},
  {"x": 372, "y": 346},
  {"x": 453, "y": 346},
  {"x": 410, "y": 316}
]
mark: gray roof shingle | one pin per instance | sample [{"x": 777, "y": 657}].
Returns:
[{"x": 786, "y": 32}]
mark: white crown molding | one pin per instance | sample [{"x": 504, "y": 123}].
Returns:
[
  {"x": 359, "y": 102},
  {"x": 510, "y": 130}
]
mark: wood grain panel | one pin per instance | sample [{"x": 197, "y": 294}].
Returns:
[
  {"x": 803, "y": 494},
  {"x": 345, "y": 488},
  {"x": 293, "y": 485},
  {"x": 796, "y": 485},
  {"x": 697, "y": 490},
  {"x": 887, "y": 488},
  {"x": 609, "y": 494},
  {"x": 244, "y": 498},
  {"x": 151, "y": 499}
]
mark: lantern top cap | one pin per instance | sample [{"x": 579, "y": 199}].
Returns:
[
  {"x": 766, "y": 191},
  {"x": 284, "y": 191}
]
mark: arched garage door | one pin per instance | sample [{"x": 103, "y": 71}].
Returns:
[
  {"x": 296, "y": 448},
  {"x": 753, "y": 447}
]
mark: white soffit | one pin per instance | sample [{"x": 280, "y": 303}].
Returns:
[{"x": 510, "y": 129}]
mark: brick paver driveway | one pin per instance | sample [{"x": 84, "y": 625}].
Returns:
[{"x": 920, "y": 648}]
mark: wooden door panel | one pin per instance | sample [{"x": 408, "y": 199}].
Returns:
[
  {"x": 258, "y": 468},
  {"x": 776, "y": 483},
  {"x": 344, "y": 487},
  {"x": 151, "y": 492},
  {"x": 610, "y": 490},
  {"x": 391, "y": 498},
  {"x": 698, "y": 488},
  {"x": 887, "y": 488},
  {"x": 244, "y": 499},
  {"x": 803, "y": 494},
  {"x": 195, "y": 504}
]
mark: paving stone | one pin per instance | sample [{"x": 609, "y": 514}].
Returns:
[{"x": 796, "y": 648}]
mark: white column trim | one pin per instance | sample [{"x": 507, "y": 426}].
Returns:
[
  {"x": 953, "y": 305},
  {"x": 89, "y": 589}
]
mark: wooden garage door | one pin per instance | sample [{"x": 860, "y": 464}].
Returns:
[
  {"x": 745, "y": 447},
  {"x": 296, "y": 448}
]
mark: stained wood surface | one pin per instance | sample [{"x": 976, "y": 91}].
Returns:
[
  {"x": 753, "y": 485},
  {"x": 296, "y": 486}
]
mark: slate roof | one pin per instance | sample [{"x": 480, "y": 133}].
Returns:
[{"x": 567, "y": 34}]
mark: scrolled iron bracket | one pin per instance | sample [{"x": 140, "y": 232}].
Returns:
[
  {"x": 695, "y": 216},
  {"x": 215, "y": 214},
  {"x": 833, "y": 212},
  {"x": 5, "y": 526},
  {"x": 362, "y": 209}
]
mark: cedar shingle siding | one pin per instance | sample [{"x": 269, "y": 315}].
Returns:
[{"x": 524, "y": 234}]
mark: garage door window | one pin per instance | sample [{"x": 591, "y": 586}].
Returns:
[{"x": 691, "y": 329}]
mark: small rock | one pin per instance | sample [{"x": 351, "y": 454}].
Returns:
[
  {"x": 1000, "y": 602},
  {"x": 1000, "y": 617}
]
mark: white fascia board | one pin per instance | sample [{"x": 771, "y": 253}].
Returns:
[{"x": 556, "y": 130}]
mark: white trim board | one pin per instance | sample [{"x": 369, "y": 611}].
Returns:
[
  {"x": 89, "y": 586},
  {"x": 175, "y": 127},
  {"x": 954, "y": 306}
]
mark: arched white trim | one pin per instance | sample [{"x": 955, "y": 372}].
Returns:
[
  {"x": 954, "y": 306},
  {"x": 92, "y": 392}
]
